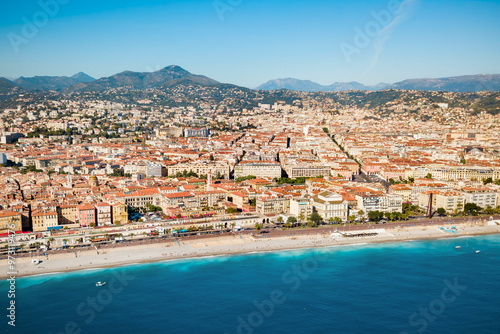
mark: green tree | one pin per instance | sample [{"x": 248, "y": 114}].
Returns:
[
  {"x": 337, "y": 220},
  {"x": 487, "y": 181},
  {"x": 441, "y": 212},
  {"x": 315, "y": 218},
  {"x": 428, "y": 176},
  {"x": 291, "y": 220},
  {"x": 231, "y": 210},
  {"x": 375, "y": 216}
]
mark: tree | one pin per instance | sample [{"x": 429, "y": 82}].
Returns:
[
  {"x": 351, "y": 218},
  {"x": 428, "y": 176},
  {"x": 361, "y": 213},
  {"x": 441, "y": 212},
  {"x": 489, "y": 210},
  {"x": 301, "y": 217},
  {"x": 337, "y": 220},
  {"x": 291, "y": 220},
  {"x": 472, "y": 209},
  {"x": 487, "y": 181},
  {"x": 375, "y": 216},
  {"x": 231, "y": 210},
  {"x": 315, "y": 218},
  {"x": 258, "y": 226},
  {"x": 280, "y": 220}
]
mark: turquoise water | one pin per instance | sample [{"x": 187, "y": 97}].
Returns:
[{"x": 411, "y": 287}]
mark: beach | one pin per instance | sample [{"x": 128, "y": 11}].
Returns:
[{"x": 231, "y": 245}]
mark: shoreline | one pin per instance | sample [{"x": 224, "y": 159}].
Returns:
[{"x": 225, "y": 246}]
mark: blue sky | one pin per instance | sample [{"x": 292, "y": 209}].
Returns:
[{"x": 248, "y": 42}]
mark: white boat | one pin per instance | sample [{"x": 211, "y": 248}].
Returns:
[
  {"x": 35, "y": 261},
  {"x": 458, "y": 247},
  {"x": 100, "y": 283},
  {"x": 477, "y": 252}
]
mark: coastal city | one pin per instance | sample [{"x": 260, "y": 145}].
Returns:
[
  {"x": 250, "y": 167},
  {"x": 79, "y": 172}
]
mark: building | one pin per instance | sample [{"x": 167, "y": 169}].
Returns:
[
  {"x": 380, "y": 202},
  {"x": 87, "y": 215},
  {"x": 296, "y": 171},
  {"x": 259, "y": 169},
  {"x": 402, "y": 190},
  {"x": 450, "y": 200},
  {"x": 196, "y": 132},
  {"x": 68, "y": 214},
  {"x": 119, "y": 214},
  {"x": 104, "y": 213},
  {"x": 155, "y": 170},
  {"x": 10, "y": 221},
  {"x": 301, "y": 206},
  {"x": 43, "y": 221},
  {"x": 482, "y": 196},
  {"x": 169, "y": 132},
  {"x": 272, "y": 205},
  {"x": 330, "y": 205},
  {"x": 218, "y": 168}
]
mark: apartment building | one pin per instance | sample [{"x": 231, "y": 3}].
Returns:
[
  {"x": 10, "y": 221},
  {"x": 382, "y": 203},
  {"x": 119, "y": 213},
  {"x": 482, "y": 196},
  {"x": 259, "y": 169},
  {"x": 273, "y": 205},
  {"x": 43, "y": 221},
  {"x": 104, "y": 214},
  {"x": 301, "y": 206}
]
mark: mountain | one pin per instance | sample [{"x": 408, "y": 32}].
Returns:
[
  {"x": 6, "y": 86},
  {"x": 310, "y": 86},
  {"x": 166, "y": 77},
  {"x": 460, "y": 84},
  {"x": 51, "y": 82},
  {"x": 82, "y": 77}
]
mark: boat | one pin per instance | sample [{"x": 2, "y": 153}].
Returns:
[
  {"x": 477, "y": 252},
  {"x": 100, "y": 283},
  {"x": 458, "y": 247}
]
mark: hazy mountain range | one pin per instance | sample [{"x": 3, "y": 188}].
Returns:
[
  {"x": 310, "y": 86},
  {"x": 175, "y": 75},
  {"x": 466, "y": 83}
]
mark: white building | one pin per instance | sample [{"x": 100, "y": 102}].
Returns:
[
  {"x": 257, "y": 168},
  {"x": 331, "y": 205},
  {"x": 301, "y": 206}
]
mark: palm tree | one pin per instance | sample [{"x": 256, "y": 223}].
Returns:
[
  {"x": 331, "y": 220},
  {"x": 280, "y": 220},
  {"x": 338, "y": 220},
  {"x": 65, "y": 241},
  {"x": 50, "y": 241},
  {"x": 301, "y": 217}
]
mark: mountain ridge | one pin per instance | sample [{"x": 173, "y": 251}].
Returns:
[{"x": 458, "y": 84}]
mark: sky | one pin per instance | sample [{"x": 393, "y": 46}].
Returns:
[{"x": 248, "y": 42}]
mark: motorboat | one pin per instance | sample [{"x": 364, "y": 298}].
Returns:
[
  {"x": 100, "y": 283},
  {"x": 458, "y": 247}
]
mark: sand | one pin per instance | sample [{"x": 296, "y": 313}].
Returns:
[{"x": 227, "y": 245}]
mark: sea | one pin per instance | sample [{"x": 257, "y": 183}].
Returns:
[{"x": 406, "y": 287}]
